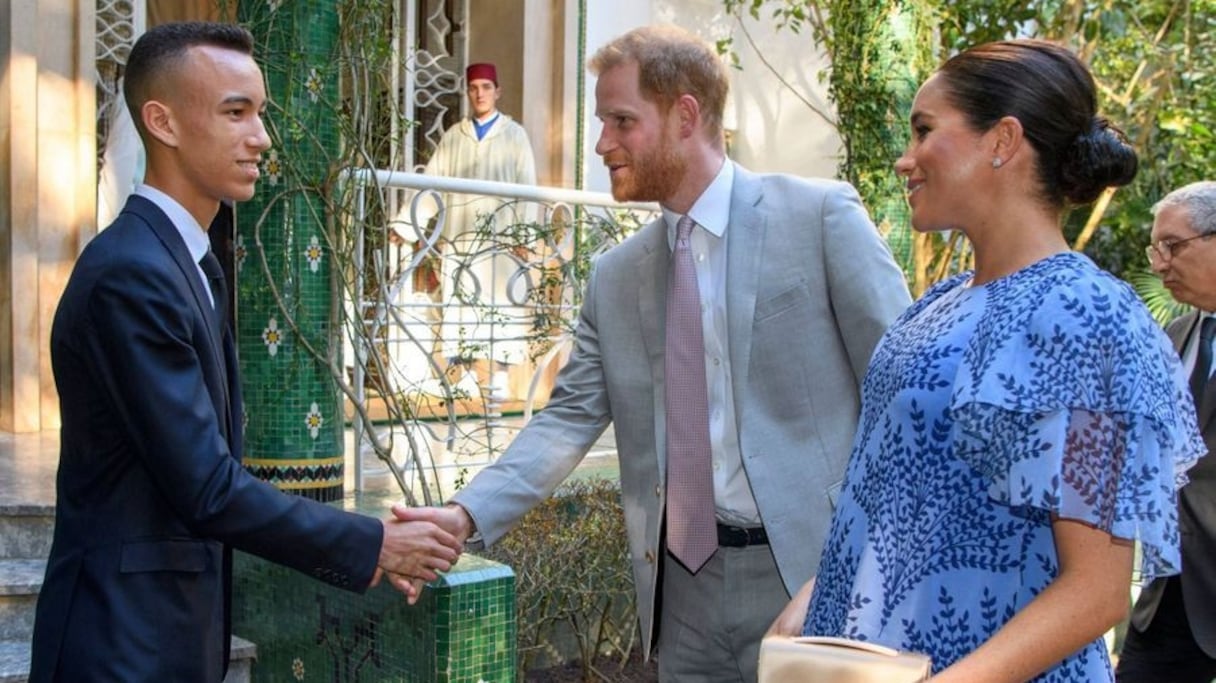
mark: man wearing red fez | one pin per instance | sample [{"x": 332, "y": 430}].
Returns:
[{"x": 483, "y": 90}]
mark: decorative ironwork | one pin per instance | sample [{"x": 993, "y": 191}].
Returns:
[
  {"x": 435, "y": 58},
  {"x": 498, "y": 298},
  {"x": 118, "y": 24}
]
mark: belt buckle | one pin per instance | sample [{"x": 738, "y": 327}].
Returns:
[{"x": 733, "y": 536}]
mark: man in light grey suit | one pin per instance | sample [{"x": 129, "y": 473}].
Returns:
[
  {"x": 795, "y": 286},
  {"x": 1173, "y": 634}
]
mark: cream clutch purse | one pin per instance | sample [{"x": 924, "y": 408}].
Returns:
[{"x": 821, "y": 659}]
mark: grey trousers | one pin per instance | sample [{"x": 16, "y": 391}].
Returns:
[{"x": 711, "y": 623}]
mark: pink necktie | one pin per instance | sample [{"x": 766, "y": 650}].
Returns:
[{"x": 691, "y": 530}]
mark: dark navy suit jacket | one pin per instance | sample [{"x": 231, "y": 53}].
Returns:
[{"x": 151, "y": 492}]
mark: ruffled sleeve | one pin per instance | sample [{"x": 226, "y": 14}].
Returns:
[{"x": 1070, "y": 399}]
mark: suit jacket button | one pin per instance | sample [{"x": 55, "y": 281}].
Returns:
[
  {"x": 649, "y": 557},
  {"x": 658, "y": 490}
]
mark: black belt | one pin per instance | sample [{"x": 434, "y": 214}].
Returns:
[{"x": 741, "y": 537}]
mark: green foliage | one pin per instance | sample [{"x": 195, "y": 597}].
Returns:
[
  {"x": 874, "y": 45},
  {"x": 965, "y": 23},
  {"x": 573, "y": 578},
  {"x": 1156, "y": 81},
  {"x": 1157, "y": 298},
  {"x": 877, "y": 50}
]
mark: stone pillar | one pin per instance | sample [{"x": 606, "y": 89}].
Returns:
[
  {"x": 48, "y": 183},
  {"x": 285, "y": 308}
]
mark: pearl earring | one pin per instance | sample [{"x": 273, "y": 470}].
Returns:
[{"x": 996, "y": 162}]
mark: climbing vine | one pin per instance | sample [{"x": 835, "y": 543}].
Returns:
[{"x": 1155, "y": 81}]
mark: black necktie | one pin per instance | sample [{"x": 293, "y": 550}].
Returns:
[
  {"x": 1203, "y": 361},
  {"x": 219, "y": 289}
]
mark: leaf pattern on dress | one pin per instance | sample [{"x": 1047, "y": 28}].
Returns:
[{"x": 987, "y": 410}]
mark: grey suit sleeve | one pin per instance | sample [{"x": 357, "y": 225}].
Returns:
[
  {"x": 544, "y": 453},
  {"x": 866, "y": 287}
]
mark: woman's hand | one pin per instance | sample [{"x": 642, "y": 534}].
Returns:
[{"x": 791, "y": 619}]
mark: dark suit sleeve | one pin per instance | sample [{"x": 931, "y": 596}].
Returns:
[{"x": 148, "y": 341}]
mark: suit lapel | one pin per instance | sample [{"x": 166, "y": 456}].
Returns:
[
  {"x": 1182, "y": 329},
  {"x": 652, "y": 312},
  {"x": 744, "y": 246},
  {"x": 1180, "y": 333},
  {"x": 232, "y": 391},
  {"x": 169, "y": 236},
  {"x": 652, "y": 292},
  {"x": 1207, "y": 409}
]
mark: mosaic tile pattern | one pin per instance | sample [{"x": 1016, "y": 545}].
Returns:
[
  {"x": 461, "y": 631},
  {"x": 293, "y": 410},
  {"x": 475, "y": 623},
  {"x": 297, "y": 474}
]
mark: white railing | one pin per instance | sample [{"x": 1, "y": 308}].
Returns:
[{"x": 466, "y": 301}]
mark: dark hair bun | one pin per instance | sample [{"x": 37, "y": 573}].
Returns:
[{"x": 1097, "y": 159}]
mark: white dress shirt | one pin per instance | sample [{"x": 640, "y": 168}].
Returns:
[{"x": 193, "y": 234}]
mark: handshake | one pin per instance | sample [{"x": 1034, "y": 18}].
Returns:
[{"x": 418, "y": 544}]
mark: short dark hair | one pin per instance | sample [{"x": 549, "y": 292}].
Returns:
[
  {"x": 1052, "y": 94},
  {"x": 160, "y": 50}
]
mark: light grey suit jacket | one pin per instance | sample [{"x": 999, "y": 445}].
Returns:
[
  {"x": 1196, "y": 521},
  {"x": 811, "y": 287}
]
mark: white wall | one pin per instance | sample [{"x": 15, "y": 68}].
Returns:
[
  {"x": 783, "y": 120},
  {"x": 605, "y": 20}
]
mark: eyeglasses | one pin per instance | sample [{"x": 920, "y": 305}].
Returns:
[{"x": 1164, "y": 250}]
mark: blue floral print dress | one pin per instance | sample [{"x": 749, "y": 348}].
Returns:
[{"x": 986, "y": 410}]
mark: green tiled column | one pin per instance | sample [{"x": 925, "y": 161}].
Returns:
[
  {"x": 293, "y": 418},
  {"x": 462, "y": 630}
]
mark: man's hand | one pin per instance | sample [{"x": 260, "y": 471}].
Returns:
[
  {"x": 452, "y": 518},
  {"x": 414, "y": 550}
]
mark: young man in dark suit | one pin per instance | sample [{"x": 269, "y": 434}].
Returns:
[{"x": 151, "y": 493}]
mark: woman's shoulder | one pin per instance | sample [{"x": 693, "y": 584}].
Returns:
[
  {"x": 1055, "y": 329},
  {"x": 935, "y": 292},
  {"x": 1063, "y": 292},
  {"x": 1076, "y": 273}
]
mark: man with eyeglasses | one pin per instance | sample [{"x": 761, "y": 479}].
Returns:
[{"x": 1173, "y": 634}]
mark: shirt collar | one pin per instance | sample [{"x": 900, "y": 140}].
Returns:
[
  {"x": 192, "y": 233},
  {"x": 481, "y": 128},
  {"x": 711, "y": 211}
]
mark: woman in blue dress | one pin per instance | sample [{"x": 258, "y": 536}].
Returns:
[{"x": 1022, "y": 423}]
